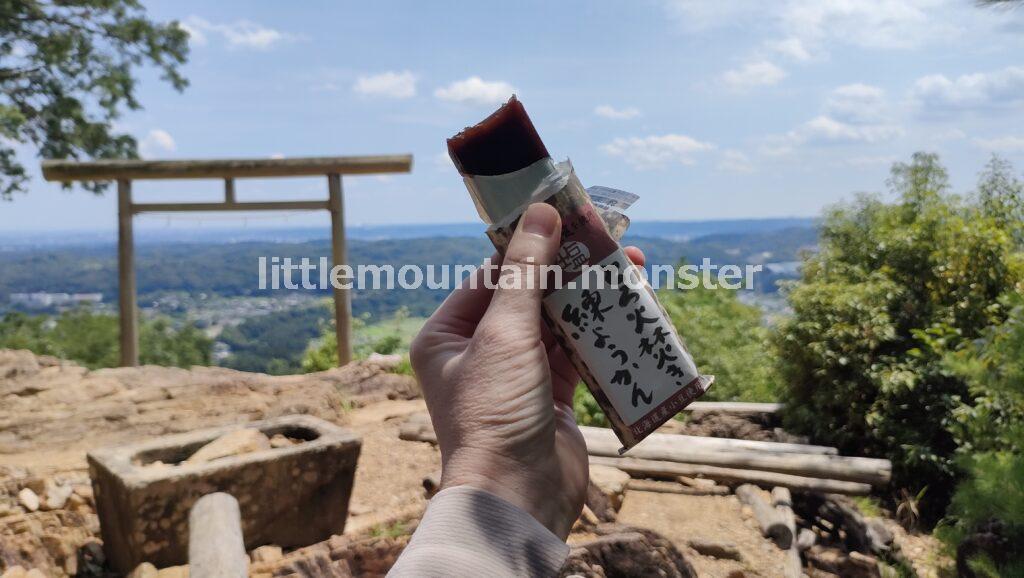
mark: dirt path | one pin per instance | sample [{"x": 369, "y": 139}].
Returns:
[
  {"x": 389, "y": 479},
  {"x": 719, "y": 519}
]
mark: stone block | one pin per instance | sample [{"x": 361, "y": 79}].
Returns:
[{"x": 289, "y": 496}]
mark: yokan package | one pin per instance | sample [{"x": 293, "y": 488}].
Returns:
[{"x": 602, "y": 312}]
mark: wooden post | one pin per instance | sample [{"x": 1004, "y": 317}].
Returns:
[
  {"x": 126, "y": 276},
  {"x": 229, "y": 191},
  {"x": 771, "y": 523},
  {"x": 215, "y": 545},
  {"x": 342, "y": 299}
]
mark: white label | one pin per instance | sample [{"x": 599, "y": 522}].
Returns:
[
  {"x": 609, "y": 198},
  {"x": 622, "y": 336}
]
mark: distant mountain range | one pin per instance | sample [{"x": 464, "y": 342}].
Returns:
[
  {"x": 227, "y": 269},
  {"x": 672, "y": 230}
]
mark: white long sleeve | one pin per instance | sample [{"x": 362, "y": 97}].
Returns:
[{"x": 470, "y": 532}]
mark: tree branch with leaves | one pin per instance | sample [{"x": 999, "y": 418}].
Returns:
[{"x": 67, "y": 72}]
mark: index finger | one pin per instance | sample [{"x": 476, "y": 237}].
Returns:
[{"x": 461, "y": 311}]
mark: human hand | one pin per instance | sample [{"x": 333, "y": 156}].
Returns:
[{"x": 499, "y": 389}]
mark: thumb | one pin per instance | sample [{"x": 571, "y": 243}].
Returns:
[{"x": 515, "y": 306}]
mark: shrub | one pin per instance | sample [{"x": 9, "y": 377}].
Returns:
[
  {"x": 385, "y": 337},
  {"x": 586, "y": 408},
  {"x": 991, "y": 498},
  {"x": 727, "y": 339},
  {"x": 894, "y": 289},
  {"x": 92, "y": 339}
]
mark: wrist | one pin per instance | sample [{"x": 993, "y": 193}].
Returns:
[{"x": 518, "y": 483}]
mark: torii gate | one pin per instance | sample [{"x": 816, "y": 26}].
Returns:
[{"x": 125, "y": 171}]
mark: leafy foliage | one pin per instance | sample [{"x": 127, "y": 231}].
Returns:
[
  {"x": 727, "y": 339},
  {"x": 92, "y": 339},
  {"x": 385, "y": 337},
  {"x": 586, "y": 409},
  {"x": 67, "y": 72},
  {"x": 992, "y": 434},
  {"x": 274, "y": 343},
  {"x": 894, "y": 289}
]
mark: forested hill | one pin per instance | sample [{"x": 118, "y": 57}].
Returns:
[
  {"x": 677, "y": 230},
  {"x": 230, "y": 269}
]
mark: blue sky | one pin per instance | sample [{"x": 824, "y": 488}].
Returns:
[{"x": 727, "y": 109}]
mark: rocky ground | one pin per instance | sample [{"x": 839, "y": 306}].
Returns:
[{"x": 52, "y": 412}]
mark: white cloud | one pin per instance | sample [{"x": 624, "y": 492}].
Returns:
[
  {"x": 856, "y": 103},
  {"x": 656, "y": 151},
  {"x": 606, "y": 111},
  {"x": 735, "y": 162},
  {"x": 824, "y": 129},
  {"x": 195, "y": 30},
  {"x": 277, "y": 156},
  {"x": 157, "y": 141},
  {"x": 970, "y": 91},
  {"x": 853, "y": 114},
  {"x": 756, "y": 73},
  {"x": 812, "y": 23},
  {"x": 387, "y": 84},
  {"x": 867, "y": 161},
  {"x": 868, "y": 23},
  {"x": 475, "y": 90},
  {"x": 1003, "y": 143},
  {"x": 239, "y": 34},
  {"x": 792, "y": 48}
]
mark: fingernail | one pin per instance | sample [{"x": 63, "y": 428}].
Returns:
[{"x": 540, "y": 219}]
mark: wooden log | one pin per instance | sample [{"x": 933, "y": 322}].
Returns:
[
  {"x": 805, "y": 539},
  {"x": 793, "y": 566},
  {"x": 105, "y": 170},
  {"x": 662, "y": 487},
  {"x": 782, "y": 501},
  {"x": 771, "y": 523},
  {"x": 657, "y": 442},
  {"x": 655, "y": 468},
  {"x": 419, "y": 428},
  {"x": 215, "y": 545},
  {"x": 734, "y": 407},
  {"x": 865, "y": 470},
  {"x": 667, "y": 448},
  {"x": 246, "y": 206}
]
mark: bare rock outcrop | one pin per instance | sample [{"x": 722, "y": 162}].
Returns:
[
  {"x": 619, "y": 550},
  {"x": 47, "y": 403},
  {"x": 52, "y": 411}
]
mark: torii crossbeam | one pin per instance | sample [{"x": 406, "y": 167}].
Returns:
[{"x": 125, "y": 171}]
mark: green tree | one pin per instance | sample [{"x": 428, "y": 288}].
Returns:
[
  {"x": 21, "y": 331},
  {"x": 67, "y": 70},
  {"x": 92, "y": 339},
  {"x": 728, "y": 339},
  {"x": 894, "y": 289},
  {"x": 987, "y": 513},
  {"x": 384, "y": 337}
]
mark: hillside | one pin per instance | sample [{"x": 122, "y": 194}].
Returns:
[{"x": 230, "y": 269}]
